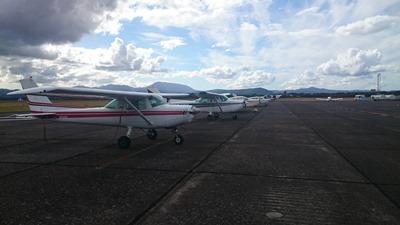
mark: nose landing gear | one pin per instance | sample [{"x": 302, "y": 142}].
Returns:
[{"x": 178, "y": 139}]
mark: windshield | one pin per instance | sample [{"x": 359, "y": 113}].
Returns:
[{"x": 156, "y": 100}]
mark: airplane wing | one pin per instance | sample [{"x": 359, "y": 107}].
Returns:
[{"x": 66, "y": 91}]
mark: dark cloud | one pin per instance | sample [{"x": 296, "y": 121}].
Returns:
[
  {"x": 26, "y": 24},
  {"x": 41, "y": 74}
]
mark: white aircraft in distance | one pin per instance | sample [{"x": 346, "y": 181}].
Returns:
[
  {"x": 329, "y": 99},
  {"x": 211, "y": 103},
  {"x": 250, "y": 102},
  {"x": 253, "y": 101},
  {"x": 129, "y": 109}
]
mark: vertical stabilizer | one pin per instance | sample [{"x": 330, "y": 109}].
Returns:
[
  {"x": 152, "y": 89},
  {"x": 28, "y": 83},
  {"x": 37, "y": 103}
]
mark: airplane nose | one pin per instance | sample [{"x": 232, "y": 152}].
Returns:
[{"x": 194, "y": 110}]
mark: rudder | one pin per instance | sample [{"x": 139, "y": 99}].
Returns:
[{"x": 37, "y": 103}]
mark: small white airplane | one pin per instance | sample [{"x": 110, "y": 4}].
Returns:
[
  {"x": 211, "y": 103},
  {"x": 253, "y": 101},
  {"x": 329, "y": 99},
  {"x": 129, "y": 109}
]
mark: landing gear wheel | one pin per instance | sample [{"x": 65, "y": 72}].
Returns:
[
  {"x": 178, "y": 139},
  {"x": 152, "y": 134},
  {"x": 216, "y": 116},
  {"x": 235, "y": 117},
  {"x": 210, "y": 117},
  {"x": 124, "y": 142}
]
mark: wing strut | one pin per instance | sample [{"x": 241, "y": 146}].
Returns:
[
  {"x": 138, "y": 111},
  {"x": 220, "y": 108}
]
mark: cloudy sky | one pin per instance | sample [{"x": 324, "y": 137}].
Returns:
[{"x": 206, "y": 44}]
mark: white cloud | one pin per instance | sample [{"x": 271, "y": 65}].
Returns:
[
  {"x": 121, "y": 57},
  {"x": 353, "y": 62},
  {"x": 304, "y": 80},
  {"x": 252, "y": 79},
  {"x": 219, "y": 74},
  {"x": 369, "y": 25},
  {"x": 172, "y": 43},
  {"x": 311, "y": 10}
]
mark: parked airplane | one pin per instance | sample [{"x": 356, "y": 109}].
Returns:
[
  {"x": 211, "y": 103},
  {"x": 329, "y": 98},
  {"x": 129, "y": 109}
]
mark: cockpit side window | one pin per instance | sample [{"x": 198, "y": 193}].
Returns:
[
  {"x": 140, "y": 104},
  {"x": 113, "y": 104}
]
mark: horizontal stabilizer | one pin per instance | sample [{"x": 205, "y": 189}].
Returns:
[{"x": 28, "y": 116}]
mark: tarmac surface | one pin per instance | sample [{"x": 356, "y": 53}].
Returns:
[{"x": 289, "y": 163}]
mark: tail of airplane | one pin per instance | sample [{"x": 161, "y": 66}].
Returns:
[
  {"x": 152, "y": 89},
  {"x": 37, "y": 103}
]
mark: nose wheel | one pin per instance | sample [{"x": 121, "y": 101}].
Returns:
[{"x": 178, "y": 139}]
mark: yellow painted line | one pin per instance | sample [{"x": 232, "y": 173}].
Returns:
[{"x": 134, "y": 153}]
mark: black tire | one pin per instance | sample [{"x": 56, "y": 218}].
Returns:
[
  {"x": 178, "y": 139},
  {"x": 124, "y": 142},
  {"x": 210, "y": 117},
  {"x": 235, "y": 117},
  {"x": 216, "y": 116},
  {"x": 152, "y": 134}
]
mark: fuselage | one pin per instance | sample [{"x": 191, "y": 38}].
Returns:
[
  {"x": 212, "y": 105},
  {"x": 118, "y": 113}
]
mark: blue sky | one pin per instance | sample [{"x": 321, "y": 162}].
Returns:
[{"x": 208, "y": 44}]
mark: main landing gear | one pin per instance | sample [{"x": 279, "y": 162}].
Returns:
[
  {"x": 151, "y": 134},
  {"x": 125, "y": 141},
  {"x": 215, "y": 116}
]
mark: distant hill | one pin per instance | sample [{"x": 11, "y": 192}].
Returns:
[
  {"x": 314, "y": 90},
  {"x": 115, "y": 87},
  {"x": 245, "y": 92},
  {"x": 3, "y": 94},
  {"x": 165, "y": 87}
]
